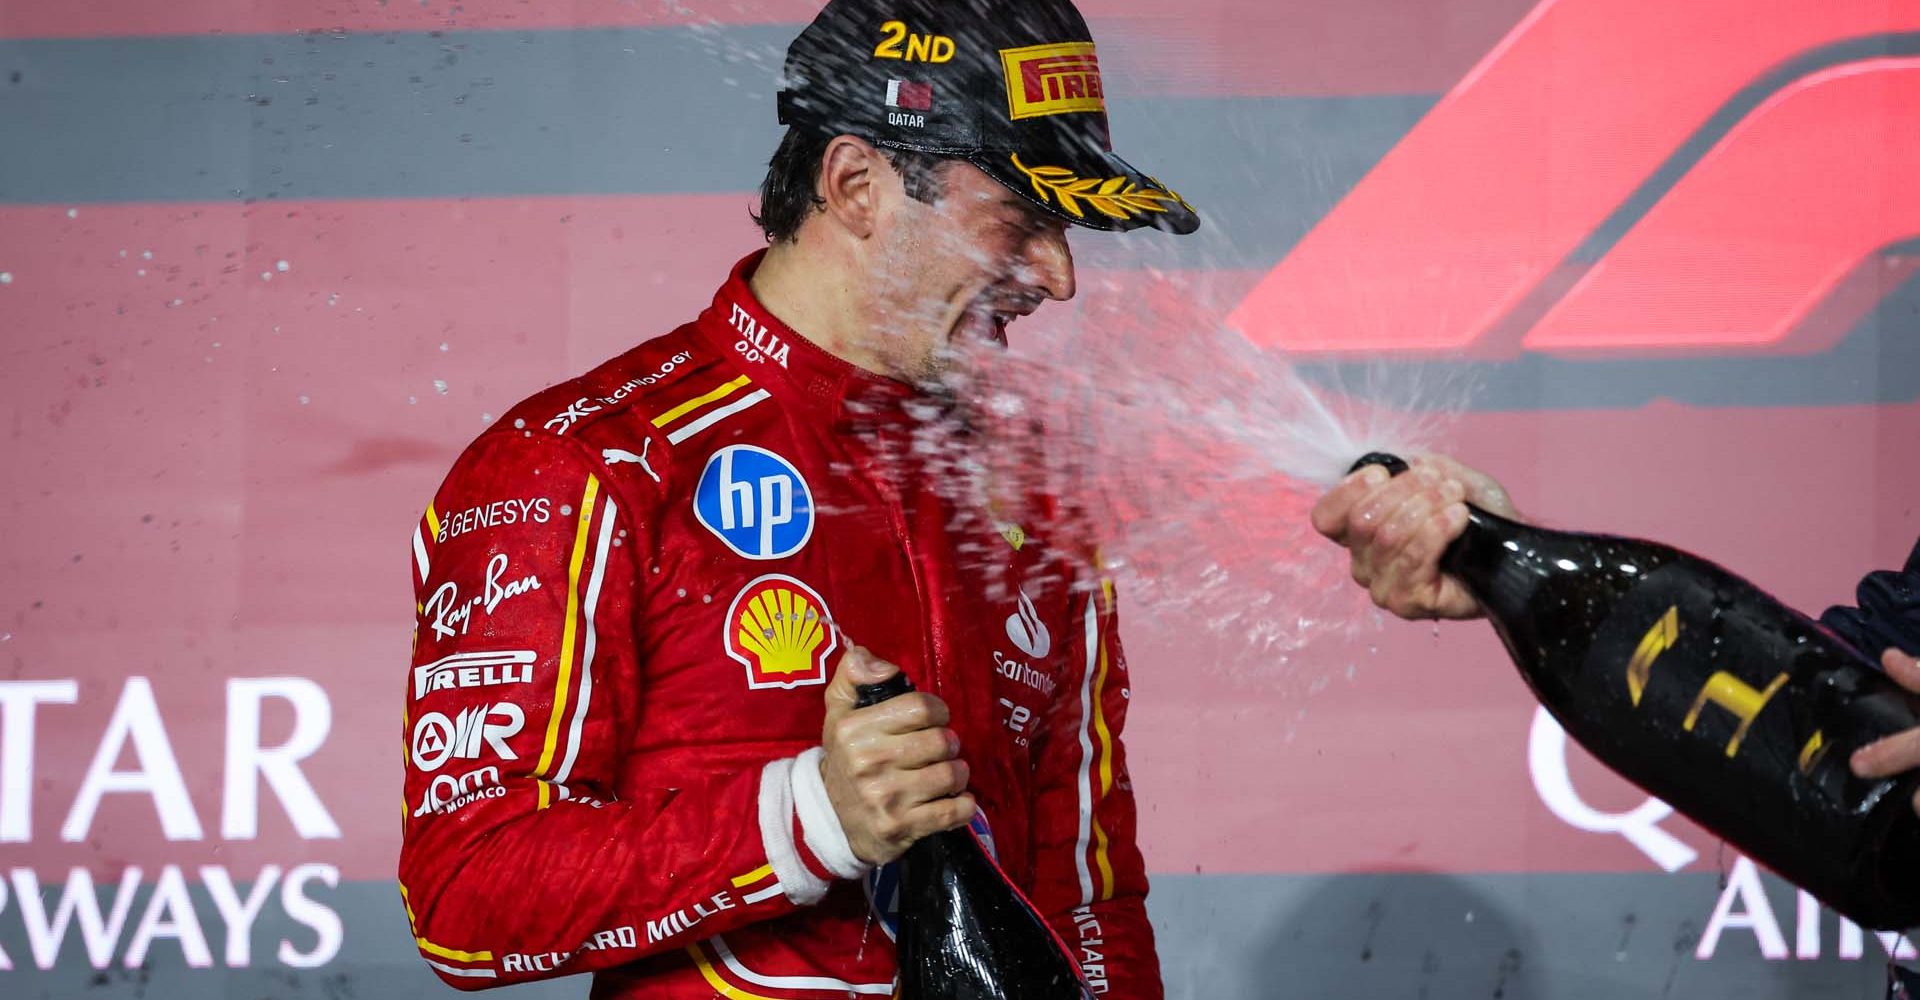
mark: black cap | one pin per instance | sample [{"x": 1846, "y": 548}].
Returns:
[{"x": 1012, "y": 86}]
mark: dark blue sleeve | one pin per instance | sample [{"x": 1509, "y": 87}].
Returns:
[{"x": 1888, "y": 612}]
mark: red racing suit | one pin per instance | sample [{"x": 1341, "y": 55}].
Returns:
[{"x": 631, "y": 591}]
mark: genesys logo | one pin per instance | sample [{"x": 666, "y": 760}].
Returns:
[
  {"x": 447, "y": 794},
  {"x": 474, "y": 669},
  {"x": 438, "y": 739},
  {"x": 781, "y": 631},
  {"x": 1026, "y": 631},
  {"x": 755, "y": 501},
  {"x": 498, "y": 514}
]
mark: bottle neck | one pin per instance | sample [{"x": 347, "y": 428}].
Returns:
[
  {"x": 1474, "y": 556},
  {"x": 1499, "y": 559}
]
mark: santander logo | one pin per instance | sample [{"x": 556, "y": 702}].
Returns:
[{"x": 1026, "y": 630}]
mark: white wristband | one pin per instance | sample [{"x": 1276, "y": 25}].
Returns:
[
  {"x": 776, "y": 835},
  {"x": 819, "y": 821}
]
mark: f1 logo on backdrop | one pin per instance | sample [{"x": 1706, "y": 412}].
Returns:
[
  {"x": 1632, "y": 176},
  {"x": 755, "y": 501},
  {"x": 1539, "y": 197}
]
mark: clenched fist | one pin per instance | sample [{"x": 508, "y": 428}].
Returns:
[
  {"x": 1396, "y": 528},
  {"x": 893, "y": 771}
]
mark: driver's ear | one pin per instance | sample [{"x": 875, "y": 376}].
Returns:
[{"x": 850, "y": 172}]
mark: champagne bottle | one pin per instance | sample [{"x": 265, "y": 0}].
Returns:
[
  {"x": 965, "y": 932},
  {"x": 1700, "y": 688}
]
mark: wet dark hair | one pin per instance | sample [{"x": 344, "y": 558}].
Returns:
[{"x": 787, "y": 194}]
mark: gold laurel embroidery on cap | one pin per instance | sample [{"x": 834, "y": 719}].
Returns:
[
  {"x": 1176, "y": 195},
  {"x": 1113, "y": 197}
]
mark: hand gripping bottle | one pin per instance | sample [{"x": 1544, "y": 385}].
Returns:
[
  {"x": 1695, "y": 685},
  {"x": 965, "y": 932}
]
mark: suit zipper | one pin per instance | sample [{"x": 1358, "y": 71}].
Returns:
[{"x": 896, "y": 520}]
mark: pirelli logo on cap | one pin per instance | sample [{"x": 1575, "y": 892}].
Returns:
[{"x": 1052, "y": 80}]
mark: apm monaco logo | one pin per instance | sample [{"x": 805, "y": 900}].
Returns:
[
  {"x": 1027, "y": 631},
  {"x": 447, "y": 794},
  {"x": 755, "y": 501},
  {"x": 1052, "y": 80},
  {"x": 781, "y": 631}
]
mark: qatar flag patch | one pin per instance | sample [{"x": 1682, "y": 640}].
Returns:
[{"x": 909, "y": 95}]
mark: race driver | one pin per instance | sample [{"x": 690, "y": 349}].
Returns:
[{"x": 632, "y": 747}]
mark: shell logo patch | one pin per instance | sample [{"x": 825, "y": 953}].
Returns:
[
  {"x": 1052, "y": 80},
  {"x": 781, "y": 631}
]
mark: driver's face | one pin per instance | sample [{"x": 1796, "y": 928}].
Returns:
[{"x": 959, "y": 271}]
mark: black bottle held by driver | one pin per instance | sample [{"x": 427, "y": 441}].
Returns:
[
  {"x": 965, "y": 932},
  {"x": 1694, "y": 684}
]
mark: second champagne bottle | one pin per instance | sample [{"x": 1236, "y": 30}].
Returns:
[{"x": 1707, "y": 692}]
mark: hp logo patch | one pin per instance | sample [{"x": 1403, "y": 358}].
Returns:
[{"x": 755, "y": 501}]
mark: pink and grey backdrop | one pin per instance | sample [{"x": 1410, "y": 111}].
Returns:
[{"x": 265, "y": 266}]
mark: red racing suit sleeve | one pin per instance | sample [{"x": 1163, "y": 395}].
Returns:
[
  {"x": 526, "y": 853},
  {"x": 1089, "y": 878}
]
